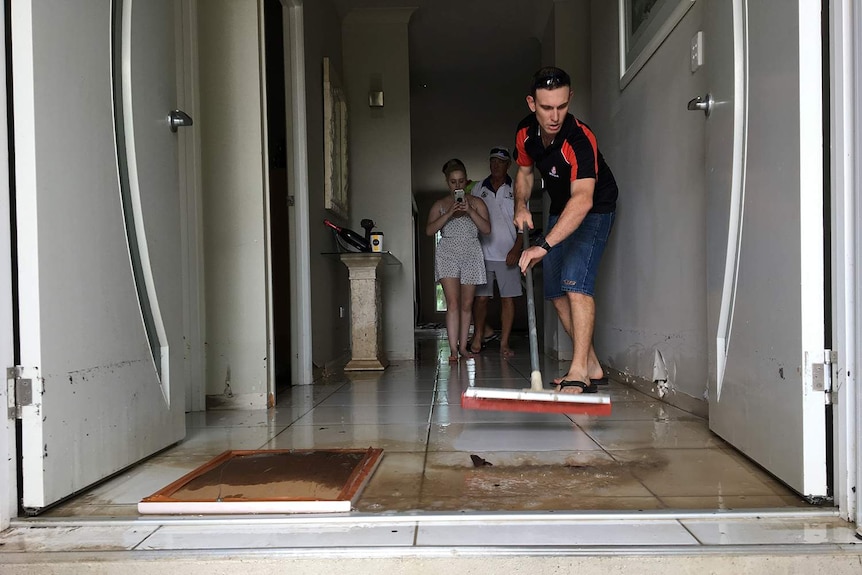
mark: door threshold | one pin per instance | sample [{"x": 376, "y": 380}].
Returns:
[{"x": 435, "y": 517}]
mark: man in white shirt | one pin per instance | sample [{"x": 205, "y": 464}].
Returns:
[{"x": 502, "y": 249}]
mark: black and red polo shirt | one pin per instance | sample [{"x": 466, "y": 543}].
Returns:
[{"x": 573, "y": 155}]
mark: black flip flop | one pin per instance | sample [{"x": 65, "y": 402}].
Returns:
[
  {"x": 602, "y": 381},
  {"x": 585, "y": 387}
]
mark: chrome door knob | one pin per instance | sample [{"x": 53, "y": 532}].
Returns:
[
  {"x": 178, "y": 118},
  {"x": 702, "y": 104}
]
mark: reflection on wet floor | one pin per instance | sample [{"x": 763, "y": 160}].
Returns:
[{"x": 646, "y": 455}]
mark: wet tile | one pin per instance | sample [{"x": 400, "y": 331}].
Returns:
[
  {"x": 568, "y": 534},
  {"x": 451, "y": 413},
  {"x": 141, "y": 481},
  {"x": 277, "y": 536},
  {"x": 89, "y": 538},
  {"x": 391, "y": 383},
  {"x": 365, "y": 415},
  {"x": 395, "y": 484},
  {"x": 651, "y": 410},
  {"x": 83, "y": 509},
  {"x": 619, "y": 392},
  {"x": 455, "y": 387},
  {"x": 772, "y": 531},
  {"x": 626, "y": 435},
  {"x": 276, "y": 417},
  {"x": 390, "y": 438},
  {"x": 304, "y": 395},
  {"x": 734, "y": 502},
  {"x": 489, "y": 437},
  {"x": 380, "y": 398},
  {"x": 693, "y": 473},
  {"x": 214, "y": 440}
]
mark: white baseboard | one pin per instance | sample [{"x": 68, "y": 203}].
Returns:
[{"x": 685, "y": 402}]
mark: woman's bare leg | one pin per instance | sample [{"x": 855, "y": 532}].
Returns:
[{"x": 452, "y": 291}]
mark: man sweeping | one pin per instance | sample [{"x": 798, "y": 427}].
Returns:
[{"x": 583, "y": 196}]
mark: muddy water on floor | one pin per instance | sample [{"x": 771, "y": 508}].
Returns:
[{"x": 452, "y": 482}]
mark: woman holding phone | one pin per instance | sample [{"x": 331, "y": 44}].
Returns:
[{"x": 459, "y": 264}]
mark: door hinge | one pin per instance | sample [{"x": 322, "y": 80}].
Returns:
[
  {"x": 20, "y": 389},
  {"x": 822, "y": 376},
  {"x": 291, "y": 201}
]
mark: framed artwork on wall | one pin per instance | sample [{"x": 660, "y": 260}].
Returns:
[
  {"x": 644, "y": 25},
  {"x": 335, "y": 161}
]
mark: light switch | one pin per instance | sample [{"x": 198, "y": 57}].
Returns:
[{"x": 696, "y": 51}]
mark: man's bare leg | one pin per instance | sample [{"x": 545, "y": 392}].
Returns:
[
  {"x": 583, "y": 318},
  {"x": 507, "y": 318},
  {"x": 566, "y": 313},
  {"x": 480, "y": 314}
]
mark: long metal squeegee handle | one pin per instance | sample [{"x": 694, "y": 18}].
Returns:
[{"x": 536, "y": 375}]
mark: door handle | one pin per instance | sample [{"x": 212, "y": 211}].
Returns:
[
  {"x": 178, "y": 118},
  {"x": 702, "y": 103}
]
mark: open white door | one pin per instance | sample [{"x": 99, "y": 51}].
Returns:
[
  {"x": 766, "y": 236},
  {"x": 98, "y": 228}
]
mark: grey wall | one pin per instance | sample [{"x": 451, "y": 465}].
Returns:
[
  {"x": 375, "y": 52},
  {"x": 233, "y": 200},
  {"x": 652, "y": 285},
  {"x": 329, "y": 284},
  {"x": 572, "y": 51},
  {"x": 463, "y": 117}
]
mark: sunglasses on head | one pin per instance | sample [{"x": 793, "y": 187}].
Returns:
[{"x": 551, "y": 80}]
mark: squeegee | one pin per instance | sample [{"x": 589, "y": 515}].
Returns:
[{"x": 535, "y": 398}]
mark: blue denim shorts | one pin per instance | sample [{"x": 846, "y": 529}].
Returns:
[{"x": 573, "y": 264}]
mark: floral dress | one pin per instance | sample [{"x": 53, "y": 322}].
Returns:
[{"x": 459, "y": 253}]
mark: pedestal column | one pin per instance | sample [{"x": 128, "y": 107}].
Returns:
[{"x": 366, "y": 312}]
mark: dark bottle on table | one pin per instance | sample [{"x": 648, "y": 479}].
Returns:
[{"x": 350, "y": 237}]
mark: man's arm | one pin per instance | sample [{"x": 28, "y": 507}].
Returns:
[
  {"x": 579, "y": 205},
  {"x": 577, "y": 208},
  {"x": 515, "y": 252},
  {"x": 523, "y": 190}
]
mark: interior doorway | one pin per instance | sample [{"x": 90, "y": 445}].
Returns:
[{"x": 279, "y": 206}]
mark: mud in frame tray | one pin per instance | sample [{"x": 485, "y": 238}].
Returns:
[{"x": 269, "y": 481}]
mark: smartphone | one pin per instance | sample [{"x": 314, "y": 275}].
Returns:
[{"x": 459, "y": 195}]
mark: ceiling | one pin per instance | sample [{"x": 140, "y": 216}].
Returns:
[
  {"x": 465, "y": 37},
  {"x": 458, "y": 49}
]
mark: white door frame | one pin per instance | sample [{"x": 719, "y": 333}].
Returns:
[
  {"x": 853, "y": 427},
  {"x": 297, "y": 182},
  {"x": 8, "y": 450},
  {"x": 846, "y": 193},
  {"x": 191, "y": 194}
]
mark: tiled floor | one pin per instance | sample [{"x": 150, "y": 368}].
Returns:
[
  {"x": 646, "y": 455},
  {"x": 648, "y": 474}
]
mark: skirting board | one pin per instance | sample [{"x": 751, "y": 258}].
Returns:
[
  {"x": 237, "y": 401},
  {"x": 672, "y": 397}
]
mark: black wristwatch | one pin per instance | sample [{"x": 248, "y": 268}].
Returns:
[{"x": 545, "y": 245}]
